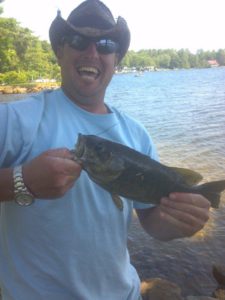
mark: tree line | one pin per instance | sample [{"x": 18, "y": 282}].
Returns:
[
  {"x": 25, "y": 58},
  {"x": 173, "y": 59}
]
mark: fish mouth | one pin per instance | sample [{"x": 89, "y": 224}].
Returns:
[{"x": 80, "y": 147}]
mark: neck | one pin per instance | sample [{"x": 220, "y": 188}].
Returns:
[
  {"x": 89, "y": 104},
  {"x": 95, "y": 109}
]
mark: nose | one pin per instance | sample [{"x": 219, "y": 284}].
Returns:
[{"x": 91, "y": 50}]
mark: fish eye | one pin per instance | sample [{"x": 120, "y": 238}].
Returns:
[
  {"x": 99, "y": 148},
  {"x": 102, "y": 152}
]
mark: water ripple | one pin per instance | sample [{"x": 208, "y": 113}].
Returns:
[{"x": 184, "y": 111}]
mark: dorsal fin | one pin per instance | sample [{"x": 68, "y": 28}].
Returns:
[{"x": 191, "y": 177}]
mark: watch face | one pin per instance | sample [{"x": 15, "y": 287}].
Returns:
[{"x": 24, "y": 199}]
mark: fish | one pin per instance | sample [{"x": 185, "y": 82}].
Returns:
[{"x": 126, "y": 172}]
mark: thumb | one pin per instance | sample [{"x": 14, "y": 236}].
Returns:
[{"x": 59, "y": 152}]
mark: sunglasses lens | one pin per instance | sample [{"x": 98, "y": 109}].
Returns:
[
  {"x": 107, "y": 46},
  {"x": 103, "y": 46},
  {"x": 77, "y": 42}
]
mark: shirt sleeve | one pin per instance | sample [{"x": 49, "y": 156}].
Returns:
[
  {"x": 10, "y": 136},
  {"x": 19, "y": 122}
]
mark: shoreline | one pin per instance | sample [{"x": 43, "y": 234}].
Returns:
[
  {"x": 35, "y": 87},
  {"x": 26, "y": 88}
]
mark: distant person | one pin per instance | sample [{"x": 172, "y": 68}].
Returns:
[{"x": 61, "y": 236}]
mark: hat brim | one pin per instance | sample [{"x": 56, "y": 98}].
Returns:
[{"x": 120, "y": 33}]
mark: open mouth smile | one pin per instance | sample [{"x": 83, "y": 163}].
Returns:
[{"x": 88, "y": 72}]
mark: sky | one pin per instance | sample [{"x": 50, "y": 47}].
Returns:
[{"x": 154, "y": 24}]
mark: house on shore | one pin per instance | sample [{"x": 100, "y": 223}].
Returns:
[{"x": 213, "y": 63}]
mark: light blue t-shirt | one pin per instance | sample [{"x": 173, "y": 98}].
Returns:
[{"x": 73, "y": 247}]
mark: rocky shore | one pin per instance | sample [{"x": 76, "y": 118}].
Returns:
[
  {"x": 27, "y": 89},
  {"x": 176, "y": 270},
  {"x": 162, "y": 289}
]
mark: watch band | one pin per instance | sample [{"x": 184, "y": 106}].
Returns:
[{"x": 23, "y": 196}]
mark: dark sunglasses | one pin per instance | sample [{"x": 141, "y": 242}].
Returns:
[{"x": 81, "y": 43}]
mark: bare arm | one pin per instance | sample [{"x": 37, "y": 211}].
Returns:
[
  {"x": 49, "y": 175},
  {"x": 180, "y": 215},
  {"x": 6, "y": 184}
]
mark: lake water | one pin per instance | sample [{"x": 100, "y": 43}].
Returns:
[{"x": 184, "y": 112}]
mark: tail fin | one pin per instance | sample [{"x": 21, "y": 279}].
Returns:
[{"x": 211, "y": 191}]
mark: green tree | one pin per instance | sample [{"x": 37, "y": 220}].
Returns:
[
  {"x": 1, "y": 8},
  {"x": 184, "y": 58},
  {"x": 24, "y": 56},
  {"x": 163, "y": 61},
  {"x": 8, "y": 55},
  {"x": 21, "y": 51},
  {"x": 220, "y": 57},
  {"x": 175, "y": 60}
]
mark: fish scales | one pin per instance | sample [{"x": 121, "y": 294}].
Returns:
[{"x": 126, "y": 172}]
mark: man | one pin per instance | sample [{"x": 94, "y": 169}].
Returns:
[{"x": 61, "y": 236}]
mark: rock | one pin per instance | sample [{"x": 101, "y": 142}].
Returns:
[
  {"x": 7, "y": 90},
  {"x": 219, "y": 274},
  {"x": 19, "y": 90},
  {"x": 219, "y": 294},
  {"x": 160, "y": 289},
  {"x": 199, "y": 298},
  {"x": 34, "y": 89}
]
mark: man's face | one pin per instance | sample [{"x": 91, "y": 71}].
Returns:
[{"x": 85, "y": 73}]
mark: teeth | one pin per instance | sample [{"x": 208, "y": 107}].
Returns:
[{"x": 88, "y": 69}]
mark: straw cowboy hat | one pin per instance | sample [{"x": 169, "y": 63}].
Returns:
[{"x": 91, "y": 18}]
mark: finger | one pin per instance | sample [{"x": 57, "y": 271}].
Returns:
[
  {"x": 183, "y": 229},
  {"x": 72, "y": 168},
  {"x": 59, "y": 152},
  {"x": 182, "y": 217},
  {"x": 59, "y": 189},
  {"x": 188, "y": 208},
  {"x": 196, "y": 200},
  {"x": 61, "y": 162}
]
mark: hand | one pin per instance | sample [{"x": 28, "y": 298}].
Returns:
[
  {"x": 51, "y": 174},
  {"x": 187, "y": 213}
]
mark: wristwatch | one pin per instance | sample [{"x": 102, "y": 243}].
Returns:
[{"x": 22, "y": 195}]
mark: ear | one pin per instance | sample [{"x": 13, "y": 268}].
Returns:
[
  {"x": 116, "y": 59},
  {"x": 59, "y": 53}
]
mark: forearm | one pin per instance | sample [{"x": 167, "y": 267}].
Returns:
[
  {"x": 48, "y": 176},
  {"x": 6, "y": 184}
]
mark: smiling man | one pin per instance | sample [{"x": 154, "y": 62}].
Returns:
[
  {"x": 88, "y": 46},
  {"x": 61, "y": 236}
]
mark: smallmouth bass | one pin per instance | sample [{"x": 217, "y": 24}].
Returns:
[{"x": 126, "y": 172}]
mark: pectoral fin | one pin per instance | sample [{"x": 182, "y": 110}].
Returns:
[
  {"x": 191, "y": 177},
  {"x": 118, "y": 201}
]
